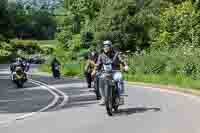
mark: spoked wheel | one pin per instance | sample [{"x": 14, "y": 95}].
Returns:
[
  {"x": 109, "y": 100},
  {"x": 116, "y": 103},
  {"x": 109, "y": 106}
]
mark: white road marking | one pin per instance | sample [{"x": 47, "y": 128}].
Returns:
[
  {"x": 16, "y": 100},
  {"x": 55, "y": 100},
  {"x": 174, "y": 92},
  {"x": 66, "y": 98},
  {"x": 4, "y": 77}
]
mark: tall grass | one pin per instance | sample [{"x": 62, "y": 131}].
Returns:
[
  {"x": 165, "y": 79},
  {"x": 178, "y": 61}
]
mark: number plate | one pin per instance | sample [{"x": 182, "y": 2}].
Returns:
[{"x": 108, "y": 67}]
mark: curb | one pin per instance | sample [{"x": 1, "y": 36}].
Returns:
[{"x": 168, "y": 88}]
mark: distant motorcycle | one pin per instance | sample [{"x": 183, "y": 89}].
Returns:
[
  {"x": 56, "y": 71},
  {"x": 19, "y": 77}
]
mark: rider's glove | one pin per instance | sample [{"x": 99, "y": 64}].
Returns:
[{"x": 126, "y": 68}]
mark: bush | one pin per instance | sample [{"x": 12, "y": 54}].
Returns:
[
  {"x": 87, "y": 39},
  {"x": 31, "y": 47},
  {"x": 63, "y": 37},
  {"x": 5, "y": 59}
]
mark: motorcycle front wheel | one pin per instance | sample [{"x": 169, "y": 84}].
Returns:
[
  {"x": 109, "y": 99},
  {"x": 19, "y": 84}
]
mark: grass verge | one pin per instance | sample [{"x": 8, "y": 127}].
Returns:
[
  {"x": 71, "y": 69},
  {"x": 177, "y": 81},
  {"x": 166, "y": 79}
]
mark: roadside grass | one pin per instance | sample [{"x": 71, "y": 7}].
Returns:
[
  {"x": 70, "y": 69},
  {"x": 48, "y": 43},
  {"x": 182, "y": 81},
  {"x": 165, "y": 79},
  {"x": 164, "y": 67}
]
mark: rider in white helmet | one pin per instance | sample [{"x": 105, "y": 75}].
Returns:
[{"x": 108, "y": 52}]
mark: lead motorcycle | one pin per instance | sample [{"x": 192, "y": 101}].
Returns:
[
  {"x": 19, "y": 77},
  {"x": 112, "y": 96}
]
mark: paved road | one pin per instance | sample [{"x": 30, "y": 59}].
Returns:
[{"x": 69, "y": 107}]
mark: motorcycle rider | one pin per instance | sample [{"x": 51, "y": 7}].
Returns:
[
  {"x": 17, "y": 66},
  {"x": 110, "y": 53},
  {"x": 54, "y": 64},
  {"x": 18, "y": 63},
  {"x": 89, "y": 68}
]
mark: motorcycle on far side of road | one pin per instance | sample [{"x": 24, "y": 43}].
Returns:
[{"x": 56, "y": 71}]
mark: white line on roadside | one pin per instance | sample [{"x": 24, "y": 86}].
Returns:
[
  {"x": 16, "y": 100},
  {"x": 4, "y": 77},
  {"x": 66, "y": 98},
  {"x": 174, "y": 92},
  {"x": 56, "y": 98}
]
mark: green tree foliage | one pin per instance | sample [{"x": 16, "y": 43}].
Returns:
[
  {"x": 131, "y": 25},
  {"x": 134, "y": 24},
  {"x": 4, "y": 19},
  {"x": 179, "y": 26},
  {"x": 23, "y": 21},
  {"x": 33, "y": 23}
]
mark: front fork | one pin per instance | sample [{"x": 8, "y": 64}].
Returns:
[{"x": 112, "y": 91}]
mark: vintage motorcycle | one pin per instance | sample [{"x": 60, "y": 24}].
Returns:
[{"x": 112, "y": 95}]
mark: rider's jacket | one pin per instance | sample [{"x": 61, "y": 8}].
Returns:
[
  {"x": 91, "y": 63},
  {"x": 90, "y": 66},
  {"x": 14, "y": 65},
  {"x": 54, "y": 64},
  {"x": 116, "y": 58}
]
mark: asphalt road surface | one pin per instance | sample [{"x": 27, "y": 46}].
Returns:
[{"x": 46, "y": 105}]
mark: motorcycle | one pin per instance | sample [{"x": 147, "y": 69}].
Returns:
[
  {"x": 56, "y": 72},
  {"x": 112, "y": 96},
  {"x": 19, "y": 77}
]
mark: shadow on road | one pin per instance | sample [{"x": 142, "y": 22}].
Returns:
[{"x": 130, "y": 111}]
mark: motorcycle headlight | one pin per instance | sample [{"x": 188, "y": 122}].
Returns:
[{"x": 107, "y": 75}]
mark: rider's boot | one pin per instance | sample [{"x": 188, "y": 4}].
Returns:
[{"x": 102, "y": 101}]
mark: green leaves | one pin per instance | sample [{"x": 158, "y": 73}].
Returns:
[{"x": 179, "y": 26}]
